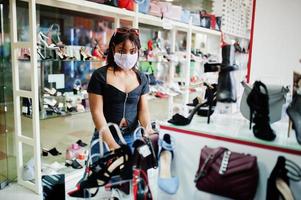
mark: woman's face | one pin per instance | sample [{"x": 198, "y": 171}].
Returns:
[{"x": 126, "y": 47}]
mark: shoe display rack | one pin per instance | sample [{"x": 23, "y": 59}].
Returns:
[
  {"x": 62, "y": 88},
  {"x": 230, "y": 131},
  {"x": 61, "y": 102}
]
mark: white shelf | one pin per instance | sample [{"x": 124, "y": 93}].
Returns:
[
  {"x": 105, "y": 10},
  {"x": 89, "y": 7},
  {"x": 238, "y": 36},
  {"x": 198, "y": 29},
  {"x": 157, "y": 21}
]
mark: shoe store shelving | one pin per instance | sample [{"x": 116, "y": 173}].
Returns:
[
  {"x": 137, "y": 20},
  {"x": 80, "y": 6}
]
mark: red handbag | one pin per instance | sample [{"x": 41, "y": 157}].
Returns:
[
  {"x": 127, "y": 4},
  {"x": 226, "y": 173}
]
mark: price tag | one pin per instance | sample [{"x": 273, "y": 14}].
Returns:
[
  {"x": 24, "y": 109},
  {"x": 144, "y": 151}
]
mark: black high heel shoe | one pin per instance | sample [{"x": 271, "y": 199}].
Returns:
[
  {"x": 211, "y": 102},
  {"x": 180, "y": 120},
  {"x": 116, "y": 162},
  {"x": 211, "y": 88},
  {"x": 294, "y": 113},
  {"x": 258, "y": 102},
  {"x": 278, "y": 182}
]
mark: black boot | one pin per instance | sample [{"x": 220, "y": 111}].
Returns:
[
  {"x": 294, "y": 113},
  {"x": 258, "y": 101},
  {"x": 226, "y": 90}
]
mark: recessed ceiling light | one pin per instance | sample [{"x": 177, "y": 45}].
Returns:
[{"x": 169, "y": 0}]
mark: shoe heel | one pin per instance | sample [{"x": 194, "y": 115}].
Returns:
[
  {"x": 290, "y": 124},
  {"x": 251, "y": 118},
  {"x": 209, "y": 111}
]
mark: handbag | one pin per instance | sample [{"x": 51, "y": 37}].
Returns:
[
  {"x": 277, "y": 97},
  {"x": 185, "y": 16},
  {"x": 158, "y": 8},
  {"x": 127, "y": 4},
  {"x": 146, "y": 150},
  {"x": 174, "y": 12},
  {"x": 226, "y": 173},
  {"x": 144, "y": 6},
  {"x": 205, "y": 19},
  {"x": 111, "y": 3}
]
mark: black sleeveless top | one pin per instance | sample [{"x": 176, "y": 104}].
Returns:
[{"x": 116, "y": 103}]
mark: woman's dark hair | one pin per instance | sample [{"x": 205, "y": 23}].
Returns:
[{"x": 120, "y": 37}]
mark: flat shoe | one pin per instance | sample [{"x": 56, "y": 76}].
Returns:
[
  {"x": 81, "y": 143},
  {"x": 54, "y": 152},
  {"x": 74, "y": 164}
]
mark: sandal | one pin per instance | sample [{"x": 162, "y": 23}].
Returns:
[
  {"x": 73, "y": 163},
  {"x": 116, "y": 162},
  {"x": 52, "y": 151}
]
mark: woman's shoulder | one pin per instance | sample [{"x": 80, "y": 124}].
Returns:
[
  {"x": 100, "y": 73},
  {"x": 101, "y": 70},
  {"x": 142, "y": 76}
]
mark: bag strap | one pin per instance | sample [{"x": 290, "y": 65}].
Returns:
[
  {"x": 139, "y": 128},
  {"x": 208, "y": 162},
  {"x": 294, "y": 171},
  {"x": 116, "y": 127},
  {"x": 245, "y": 85}
]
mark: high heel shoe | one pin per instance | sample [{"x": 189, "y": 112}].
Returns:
[
  {"x": 278, "y": 182},
  {"x": 116, "y": 162},
  {"x": 258, "y": 102},
  {"x": 294, "y": 113},
  {"x": 180, "y": 120},
  {"x": 211, "y": 88},
  {"x": 62, "y": 55},
  {"x": 208, "y": 109},
  {"x": 166, "y": 181},
  {"x": 43, "y": 38},
  {"x": 83, "y": 55}
]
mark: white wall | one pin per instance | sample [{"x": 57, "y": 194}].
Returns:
[{"x": 277, "y": 41}]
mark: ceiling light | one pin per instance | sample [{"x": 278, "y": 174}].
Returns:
[{"x": 169, "y": 0}]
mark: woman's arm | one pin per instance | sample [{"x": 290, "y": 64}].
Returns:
[
  {"x": 96, "y": 107},
  {"x": 143, "y": 114}
]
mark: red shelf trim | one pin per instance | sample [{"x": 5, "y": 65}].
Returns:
[{"x": 232, "y": 140}]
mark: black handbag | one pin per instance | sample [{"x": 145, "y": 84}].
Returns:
[{"x": 145, "y": 150}]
